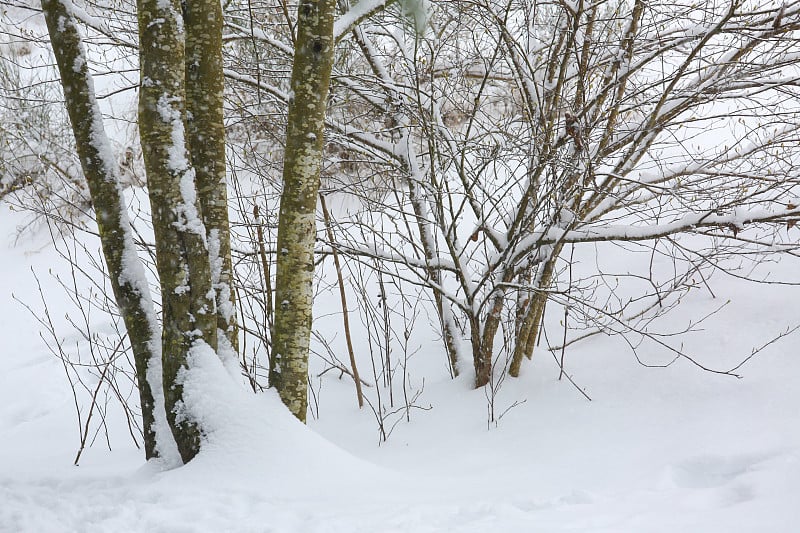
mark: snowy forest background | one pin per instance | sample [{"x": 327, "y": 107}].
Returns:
[{"x": 555, "y": 263}]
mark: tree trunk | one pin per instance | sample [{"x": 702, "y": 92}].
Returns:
[
  {"x": 189, "y": 311},
  {"x": 126, "y": 273},
  {"x": 206, "y": 144},
  {"x": 311, "y": 72},
  {"x": 529, "y": 331},
  {"x": 450, "y": 334},
  {"x": 483, "y": 343}
]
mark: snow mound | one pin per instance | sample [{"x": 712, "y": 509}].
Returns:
[{"x": 254, "y": 437}]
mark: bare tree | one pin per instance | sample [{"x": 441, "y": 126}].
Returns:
[
  {"x": 516, "y": 130},
  {"x": 490, "y": 151}
]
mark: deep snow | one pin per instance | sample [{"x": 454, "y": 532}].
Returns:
[{"x": 672, "y": 450}]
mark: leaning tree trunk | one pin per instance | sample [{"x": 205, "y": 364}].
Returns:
[
  {"x": 311, "y": 71},
  {"x": 125, "y": 270},
  {"x": 206, "y": 143},
  {"x": 188, "y": 303}
]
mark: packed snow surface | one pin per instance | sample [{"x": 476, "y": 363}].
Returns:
[{"x": 656, "y": 450}]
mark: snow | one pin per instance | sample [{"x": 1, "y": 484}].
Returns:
[
  {"x": 656, "y": 450},
  {"x": 664, "y": 450},
  {"x": 739, "y": 218},
  {"x": 132, "y": 269},
  {"x": 224, "y": 306},
  {"x": 354, "y": 15},
  {"x": 189, "y": 218}
]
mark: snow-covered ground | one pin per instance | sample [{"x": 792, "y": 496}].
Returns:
[{"x": 672, "y": 450}]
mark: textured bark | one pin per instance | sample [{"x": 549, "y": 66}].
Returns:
[
  {"x": 450, "y": 333},
  {"x": 189, "y": 313},
  {"x": 313, "y": 60},
  {"x": 526, "y": 339},
  {"x": 206, "y": 143},
  {"x": 101, "y": 174}
]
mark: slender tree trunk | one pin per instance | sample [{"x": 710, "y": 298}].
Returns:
[
  {"x": 206, "y": 144},
  {"x": 483, "y": 343},
  {"x": 450, "y": 334},
  {"x": 343, "y": 298},
  {"x": 531, "y": 324},
  {"x": 126, "y": 273},
  {"x": 189, "y": 311},
  {"x": 484, "y": 350},
  {"x": 311, "y": 71}
]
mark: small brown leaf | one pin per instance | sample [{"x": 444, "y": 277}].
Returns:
[{"x": 734, "y": 228}]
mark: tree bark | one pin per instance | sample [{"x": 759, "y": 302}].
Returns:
[
  {"x": 483, "y": 338},
  {"x": 126, "y": 273},
  {"x": 529, "y": 331},
  {"x": 206, "y": 144},
  {"x": 311, "y": 71},
  {"x": 188, "y": 300}
]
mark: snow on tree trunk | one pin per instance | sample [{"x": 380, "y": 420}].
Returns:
[
  {"x": 206, "y": 143},
  {"x": 311, "y": 71},
  {"x": 126, "y": 272},
  {"x": 188, "y": 298}
]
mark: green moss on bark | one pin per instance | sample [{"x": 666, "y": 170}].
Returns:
[
  {"x": 297, "y": 221},
  {"x": 206, "y": 142},
  {"x": 109, "y": 206},
  {"x": 188, "y": 303}
]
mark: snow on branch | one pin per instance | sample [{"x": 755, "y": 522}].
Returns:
[
  {"x": 736, "y": 221},
  {"x": 357, "y": 13}
]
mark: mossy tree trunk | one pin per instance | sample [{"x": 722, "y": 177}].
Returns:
[
  {"x": 311, "y": 71},
  {"x": 189, "y": 311},
  {"x": 206, "y": 143},
  {"x": 125, "y": 270}
]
